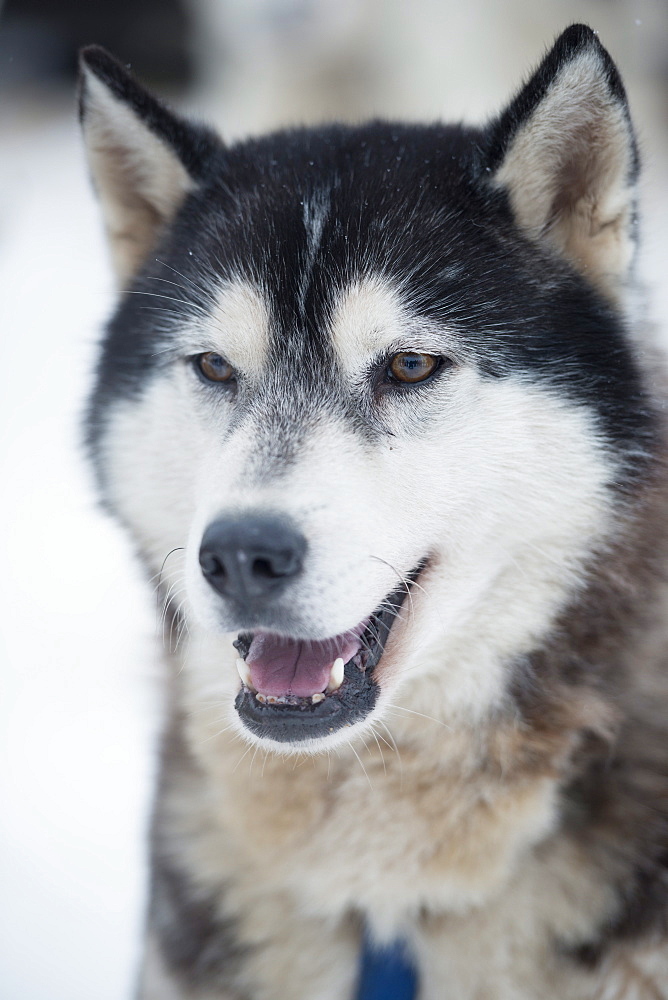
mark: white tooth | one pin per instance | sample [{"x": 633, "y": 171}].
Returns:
[
  {"x": 315, "y": 698},
  {"x": 244, "y": 673},
  {"x": 336, "y": 675}
]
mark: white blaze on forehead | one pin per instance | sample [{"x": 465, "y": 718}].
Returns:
[
  {"x": 315, "y": 214},
  {"x": 369, "y": 317},
  {"x": 238, "y": 326}
]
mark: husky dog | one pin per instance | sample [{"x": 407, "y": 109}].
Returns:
[{"x": 374, "y": 408}]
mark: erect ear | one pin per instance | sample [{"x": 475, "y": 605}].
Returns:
[
  {"x": 565, "y": 153},
  {"x": 143, "y": 158}
]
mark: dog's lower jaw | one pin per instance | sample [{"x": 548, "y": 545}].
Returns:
[
  {"x": 310, "y": 701},
  {"x": 310, "y": 721}
]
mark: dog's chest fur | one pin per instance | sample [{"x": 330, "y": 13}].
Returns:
[
  {"x": 388, "y": 841},
  {"x": 445, "y": 852}
]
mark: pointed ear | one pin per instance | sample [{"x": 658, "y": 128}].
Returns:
[
  {"x": 144, "y": 159},
  {"x": 565, "y": 153}
]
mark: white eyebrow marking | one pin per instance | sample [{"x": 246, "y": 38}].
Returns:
[
  {"x": 368, "y": 316},
  {"x": 238, "y": 326}
]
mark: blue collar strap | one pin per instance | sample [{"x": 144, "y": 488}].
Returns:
[{"x": 386, "y": 973}]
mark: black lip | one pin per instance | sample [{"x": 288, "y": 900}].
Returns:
[{"x": 296, "y": 719}]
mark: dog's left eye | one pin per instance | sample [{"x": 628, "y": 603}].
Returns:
[
  {"x": 213, "y": 367},
  {"x": 411, "y": 367}
]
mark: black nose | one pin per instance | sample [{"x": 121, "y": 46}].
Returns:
[{"x": 251, "y": 558}]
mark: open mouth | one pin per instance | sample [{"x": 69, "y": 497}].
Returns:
[{"x": 299, "y": 689}]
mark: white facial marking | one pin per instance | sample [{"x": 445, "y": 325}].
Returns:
[
  {"x": 237, "y": 327},
  {"x": 316, "y": 209},
  {"x": 368, "y": 316},
  {"x": 371, "y": 319}
]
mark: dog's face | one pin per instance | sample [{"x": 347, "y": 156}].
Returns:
[{"x": 361, "y": 387}]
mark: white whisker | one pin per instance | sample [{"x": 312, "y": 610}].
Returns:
[
  {"x": 431, "y": 718},
  {"x": 405, "y": 583},
  {"x": 243, "y": 757},
  {"x": 361, "y": 764},
  {"x": 380, "y": 749}
]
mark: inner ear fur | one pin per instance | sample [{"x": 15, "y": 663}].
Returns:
[
  {"x": 144, "y": 159},
  {"x": 565, "y": 153}
]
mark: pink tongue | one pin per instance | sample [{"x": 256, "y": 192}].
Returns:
[{"x": 281, "y": 666}]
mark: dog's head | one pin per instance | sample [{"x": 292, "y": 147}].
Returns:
[{"x": 370, "y": 385}]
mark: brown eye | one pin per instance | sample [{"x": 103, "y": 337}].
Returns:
[
  {"x": 213, "y": 367},
  {"x": 411, "y": 367}
]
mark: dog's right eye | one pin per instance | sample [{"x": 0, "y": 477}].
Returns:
[
  {"x": 213, "y": 367},
  {"x": 411, "y": 367}
]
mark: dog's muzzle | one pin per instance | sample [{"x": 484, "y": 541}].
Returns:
[{"x": 293, "y": 689}]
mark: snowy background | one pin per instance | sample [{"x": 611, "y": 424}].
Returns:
[{"x": 79, "y": 650}]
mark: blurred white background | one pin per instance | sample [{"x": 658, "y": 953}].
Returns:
[{"x": 79, "y": 653}]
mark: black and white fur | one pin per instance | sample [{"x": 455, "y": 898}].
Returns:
[{"x": 502, "y": 801}]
